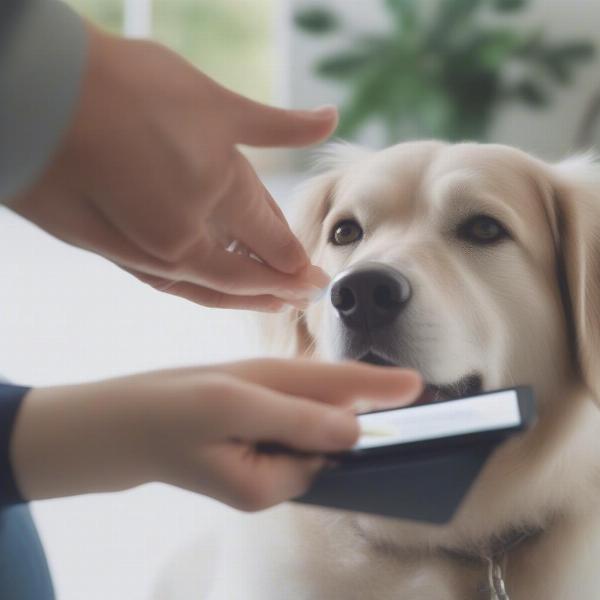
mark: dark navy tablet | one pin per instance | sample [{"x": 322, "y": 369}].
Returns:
[{"x": 418, "y": 462}]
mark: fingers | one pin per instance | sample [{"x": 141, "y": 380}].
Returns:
[
  {"x": 225, "y": 274},
  {"x": 253, "y": 413},
  {"x": 208, "y": 274},
  {"x": 222, "y": 273},
  {"x": 213, "y": 277},
  {"x": 251, "y": 216},
  {"x": 206, "y": 265},
  {"x": 208, "y": 297},
  {"x": 256, "y": 124},
  {"x": 213, "y": 299},
  {"x": 238, "y": 274},
  {"x": 334, "y": 383},
  {"x": 254, "y": 482}
]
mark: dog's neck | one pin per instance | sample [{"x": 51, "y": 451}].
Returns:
[
  {"x": 489, "y": 557},
  {"x": 494, "y": 548},
  {"x": 493, "y": 557}
]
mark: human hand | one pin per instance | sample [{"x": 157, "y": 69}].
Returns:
[
  {"x": 149, "y": 176},
  {"x": 198, "y": 428}
]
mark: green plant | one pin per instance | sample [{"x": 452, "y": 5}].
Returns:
[{"x": 442, "y": 70}]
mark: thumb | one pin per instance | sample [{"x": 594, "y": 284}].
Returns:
[{"x": 256, "y": 124}]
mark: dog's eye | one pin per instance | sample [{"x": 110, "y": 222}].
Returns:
[
  {"x": 482, "y": 230},
  {"x": 345, "y": 233}
]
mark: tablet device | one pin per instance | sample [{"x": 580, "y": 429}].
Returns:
[
  {"x": 418, "y": 462},
  {"x": 487, "y": 415}
]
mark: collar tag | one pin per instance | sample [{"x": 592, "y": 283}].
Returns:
[{"x": 496, "y": 580}]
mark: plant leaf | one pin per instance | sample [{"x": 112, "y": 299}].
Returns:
[
  {"x": 494, "y": 47},
  {"x": 316, "y": 20},
  {"x": 558, "y": 61},
  {"x": 530, "y": 93},
  {"x": 405, "y": 13},
  {"x": 343, "y": 65},
  {"x": 509, "y": 5},
  {"x": 572, "y": 51},
  {"x": 455, "y": 12}
]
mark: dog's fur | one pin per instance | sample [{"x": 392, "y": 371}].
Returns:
[{"x": 523, "y": 311}]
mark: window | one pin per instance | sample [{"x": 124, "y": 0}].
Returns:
[{"x": 230, "y": 40}]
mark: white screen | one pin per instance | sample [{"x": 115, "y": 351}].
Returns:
[{"x": 497, "y": 410}]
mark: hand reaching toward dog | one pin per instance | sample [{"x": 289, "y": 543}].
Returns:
[
  {"x": 149, "y": 177},
  {"x": 198, "y": 428}
]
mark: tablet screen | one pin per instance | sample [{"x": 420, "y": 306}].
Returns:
[{"x": 496, "y": 410}]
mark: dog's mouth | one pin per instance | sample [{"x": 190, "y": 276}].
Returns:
[{"x": 469, "y": 385}]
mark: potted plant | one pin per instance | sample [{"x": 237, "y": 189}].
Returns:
[{"x": 444, "y": 67}]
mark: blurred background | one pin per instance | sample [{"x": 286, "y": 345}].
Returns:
[
  {"x": 522, "y": 72},
  {"x": 498, "y": 70}
]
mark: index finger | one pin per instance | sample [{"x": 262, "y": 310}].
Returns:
[{"x": 333, "y": 383}]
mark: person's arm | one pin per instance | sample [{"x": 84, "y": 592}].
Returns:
[
  {"x": 149, "y": 173},
  {"x": 42, "y": 56},
  {"x": 11, "y": 398},
  {"x": 198, "y": 428}
]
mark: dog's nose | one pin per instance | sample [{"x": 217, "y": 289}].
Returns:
[{"x": 369, "y": 296}]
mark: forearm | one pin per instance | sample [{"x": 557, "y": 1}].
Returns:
[
  {"x": 198, "y": 428},
  {"x": 42, "y": 56},
  {"x": 78, "y": 439}
]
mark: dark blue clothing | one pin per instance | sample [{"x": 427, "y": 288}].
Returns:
[
  {"x": 24, "y": 573},
  {"x": 10, "y": 401}
]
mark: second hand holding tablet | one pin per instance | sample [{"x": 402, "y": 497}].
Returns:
[{"x": 419, "y": 461}]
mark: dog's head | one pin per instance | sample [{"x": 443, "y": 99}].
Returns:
[{"x": 478, "y": 265}]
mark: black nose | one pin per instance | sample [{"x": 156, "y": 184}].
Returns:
[{"x": 369, "y": 296}]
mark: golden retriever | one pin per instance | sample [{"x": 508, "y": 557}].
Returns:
[{"x": 496, "y": 257}]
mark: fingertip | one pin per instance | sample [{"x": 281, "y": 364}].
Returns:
[
  {"x": 305, "y": 470},
  {"x": 398, "y": 384},
  {"x": 316, "y": 125},
  {"x": 317, "y": 276},
  {"x": 285, "y": 253},
  {"x": 408, "y": 388},
  {"x": 408, "y": 381},
  {"x": 314, "y": 464},
  {"x": 411, "y": 376},
  {"x": 327, "y": 112},
  {"x": 264, "y": 125},
  {"x": 341, "y": 428},
  {"x": 296, "y": 259},
  {"x": 312, "y": 280}
]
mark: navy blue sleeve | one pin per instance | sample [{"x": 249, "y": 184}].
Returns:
[{"x": 11, "y": 397}]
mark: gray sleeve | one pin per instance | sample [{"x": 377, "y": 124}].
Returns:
[{"x": 42, "y": 56}]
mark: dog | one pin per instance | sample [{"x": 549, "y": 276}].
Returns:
[{"x": 479, "y": 266}]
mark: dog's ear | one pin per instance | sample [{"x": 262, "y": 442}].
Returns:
[
  {"x": 576, "y": 196},
  {"x": 285, "y": 333}
]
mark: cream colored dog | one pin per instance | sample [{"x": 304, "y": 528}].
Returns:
[{"x": 496, "y": 257}]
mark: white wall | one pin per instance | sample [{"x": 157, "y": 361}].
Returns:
[
  {"x": 549, "y": 133},
  {"x": 68, "y": 316}
]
